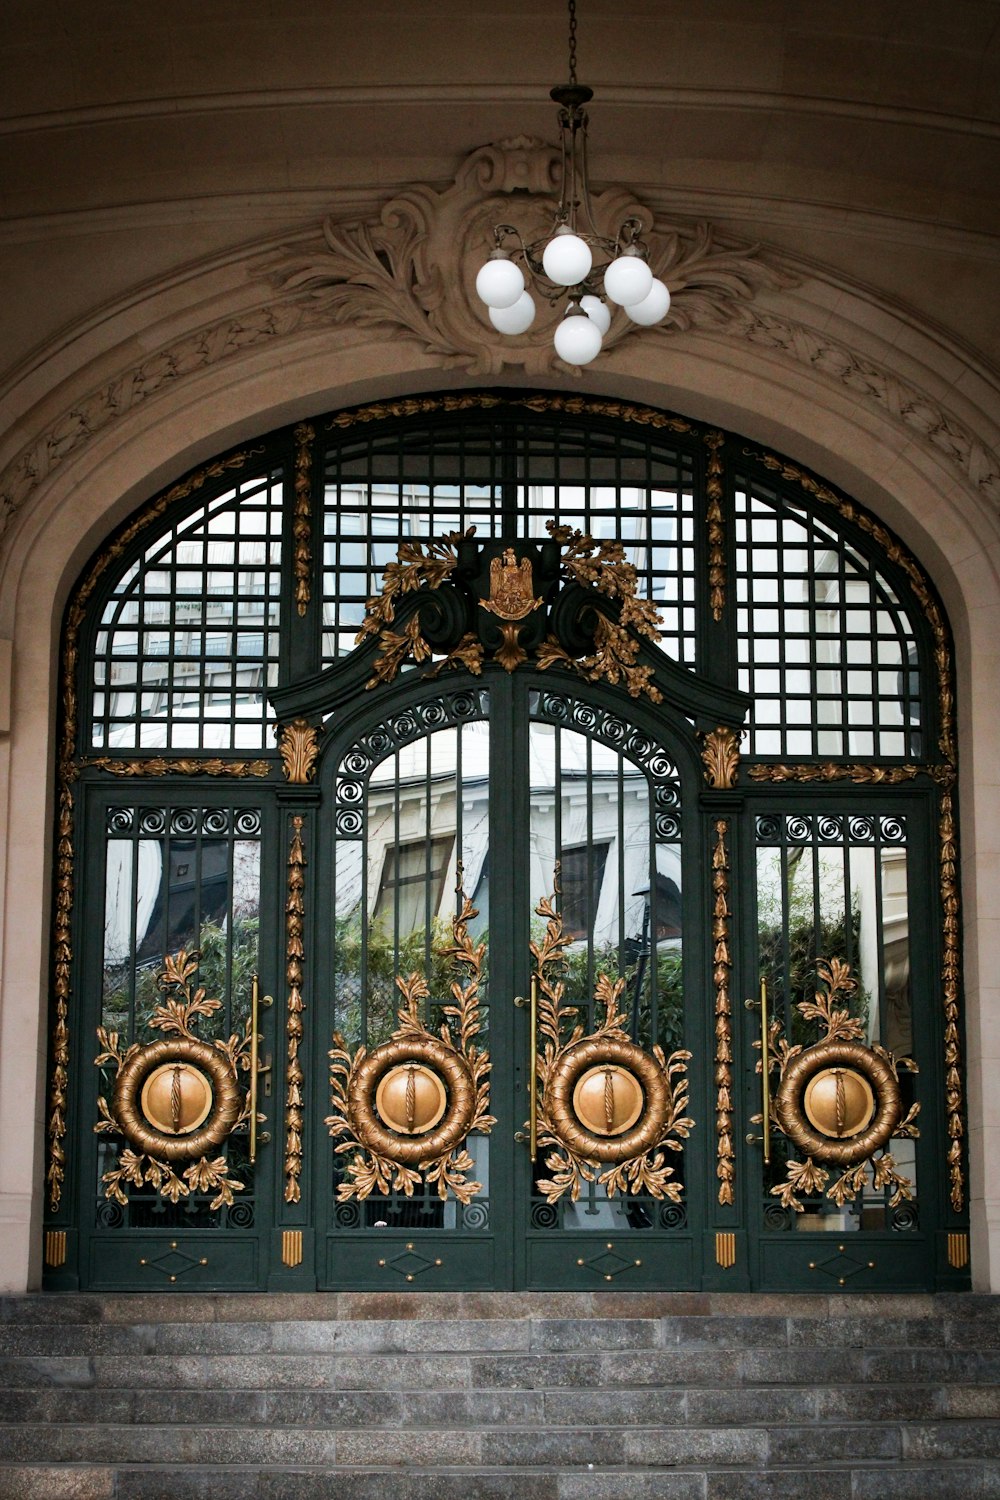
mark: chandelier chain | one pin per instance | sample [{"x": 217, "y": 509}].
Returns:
[{"x": 572, "y": 41}]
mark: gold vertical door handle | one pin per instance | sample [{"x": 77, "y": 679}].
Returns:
[
  {"x": 765, "y": 1073},
  {"x": 532, "y": 1004},
  {"x": 254, "y": 1039},
  {"x": 257, "y": 1002},
  {"x": 765, "y": 1069},
  {"x": 533, "y": 1074}
]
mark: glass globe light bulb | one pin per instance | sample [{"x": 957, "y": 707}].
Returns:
[
  {"x": 627, "y": 279},
  {"x": 577, "y": 339},
  {"x": 516, "y": 319},
  {"x": 566, "y": 258},
  {"x": 597, "y": 311},
  {"x": 653, "y": 308},
  {"x": 500, "y": 282}
]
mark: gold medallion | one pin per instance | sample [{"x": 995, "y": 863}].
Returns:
[
  {"x": 411, "y": 1098},
  {"x": 176, "y": 1098},
  {"x": 608, "y": 1099}
]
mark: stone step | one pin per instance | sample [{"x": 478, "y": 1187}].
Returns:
[
  {"x": 849, "y": 1481},
  {"x": 525, "y": 1371},
  {"x": 537, "y": 1445},
  {"x": 706, "y": 1406}
]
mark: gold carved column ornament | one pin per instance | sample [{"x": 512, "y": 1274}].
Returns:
[
  {"x": 294, "y": 961},
  {"x": 721, "y": 970},
  {"x": 716, "y": 526},
  {"x": 302, "y": 515}
]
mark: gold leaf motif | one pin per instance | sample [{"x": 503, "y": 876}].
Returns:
[
  {"x": 299, "y": 749},
  {"x": 721, "y": 757}
]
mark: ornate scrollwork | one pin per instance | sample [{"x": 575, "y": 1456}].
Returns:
[
  {"x": 405, "y": 1110},
  {"x": 543, "y": 608},
  {"x": 604, "y": 1102},
  {"x": 176, "y": 1099},
  {"x": 838, "y": 1101}
]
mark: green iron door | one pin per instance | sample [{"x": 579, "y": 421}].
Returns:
[{"x": 514, "y": 979}]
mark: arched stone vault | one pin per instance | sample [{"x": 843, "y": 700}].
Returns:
[{"x": 845, "y": 341}]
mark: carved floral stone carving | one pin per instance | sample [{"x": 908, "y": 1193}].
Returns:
[{"x": 414, "y": 268}]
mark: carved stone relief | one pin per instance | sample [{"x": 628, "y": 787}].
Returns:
[{"x": 410, "y": 270}]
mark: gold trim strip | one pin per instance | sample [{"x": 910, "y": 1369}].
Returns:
[
  {"x": 958, "y": 1251},
  {"x": 62, "y": 944},
  {"x": 721, "y": 965},
  {"x": 583, "y": 406},
  {"x": 291, "y": 1247},
  {"x": 725, "y": 1249},
  {"x": 294, "y": 961},
  {"x": 950, "y": 975},
  {"x": 716, "y": 526},
  {"x": 302, "y": 520},
  {"x": 55, "y": 1247},
  {"x": 157, "y": 766}
]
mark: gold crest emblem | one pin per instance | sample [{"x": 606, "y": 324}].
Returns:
[{"x": 510, "y": 587}]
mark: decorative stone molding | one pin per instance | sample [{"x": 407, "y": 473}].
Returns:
[
  {"x": 878, "y": 387},
  {"x": 413, "y": 270}
]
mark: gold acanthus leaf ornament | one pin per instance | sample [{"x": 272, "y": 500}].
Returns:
[
  {"x": 721, "y": 757},
  {"x": 383, "y": 1156},
  {"x": 155, "y": 1152},
  {"x": 298, "y": 745},
  {"x": 634, "y": 1160},
  {"x": 859, "y": 1149}
]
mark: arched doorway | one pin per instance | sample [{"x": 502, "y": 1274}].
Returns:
[{"x": 663, "y": 747}]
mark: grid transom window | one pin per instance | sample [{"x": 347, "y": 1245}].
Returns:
[
  {"x": 825, "y": 647},
  {"x": 507, "y": 481},
  {"x": 187, "y": 643}
]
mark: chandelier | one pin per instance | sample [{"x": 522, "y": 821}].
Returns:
[{"x": 574, "y": 260}]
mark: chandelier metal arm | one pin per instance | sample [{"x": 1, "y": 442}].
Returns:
[{"x": 563, "y": 263}]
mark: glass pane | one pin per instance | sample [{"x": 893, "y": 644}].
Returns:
[
  {"x": 178, "y": 879},
  {"x": 593, "y": 835},
  {"x": 834, "y": 886},
  {"x": 196, "y": 623},
  {"x": 422, "y": 832}
]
